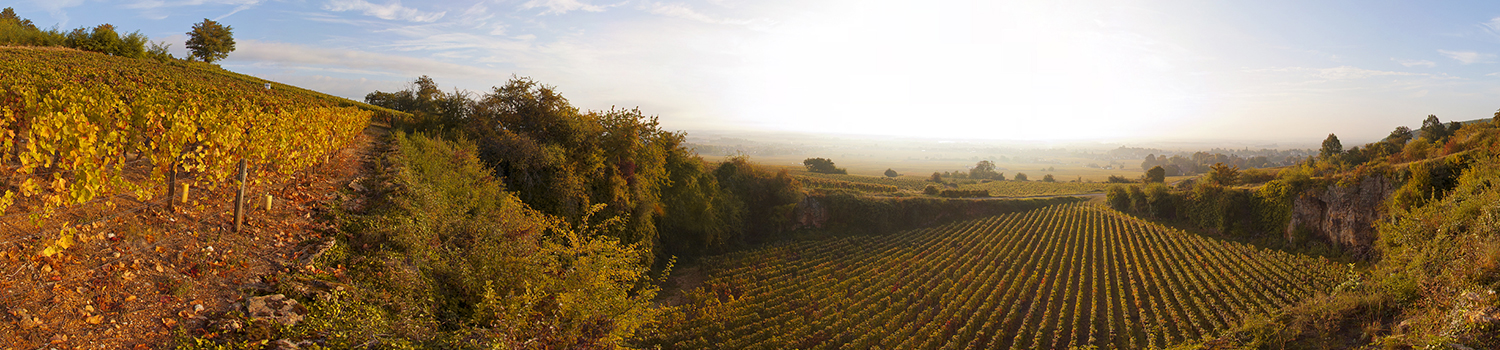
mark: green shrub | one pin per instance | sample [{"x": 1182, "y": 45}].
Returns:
[
  {"x": 1118, "y": 198},
  {"x": 449, "y": 259}
]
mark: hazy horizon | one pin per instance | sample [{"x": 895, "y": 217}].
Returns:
[{"x": 1131, "y": 72}]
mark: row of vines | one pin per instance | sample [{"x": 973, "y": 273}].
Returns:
[
  {"x": 1035, "y": 188},
  {"x": 819, "y": 182},
  {"x": 78, "y": 126},
  {"x": 1072, "y": 275}
]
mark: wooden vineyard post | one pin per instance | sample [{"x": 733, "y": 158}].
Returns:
[
  {"x": 239, "y": 200},
  {"x": 172, "y": 188}
]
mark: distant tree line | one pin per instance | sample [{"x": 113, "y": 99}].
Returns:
[
  {"x": 209, "y": 41},
  {"x": 1202, "y": 162}
]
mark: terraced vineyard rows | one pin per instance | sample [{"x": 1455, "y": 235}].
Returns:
[
  {"x": 1052, "y": 278},
  {"x": 76, "y": 126}
]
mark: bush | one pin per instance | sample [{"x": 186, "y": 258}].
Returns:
[
  {"x": 1255, "y": 176},
  {"x": 1138, "y": 201},
  {"x": 1118, "y": 198},
  {"x": 931, "y": 190},
  {"x": 1116, "y": 179},
  {"x": 1020, "y": 176}
]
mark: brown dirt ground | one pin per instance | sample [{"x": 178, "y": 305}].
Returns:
[{"x": 136, "y": 275}]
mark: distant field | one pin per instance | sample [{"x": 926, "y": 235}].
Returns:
[
  {"x": 1065, "y": 276},
  {"x": 907, "y": 183},
  {"x": 1066, "y": 169}
]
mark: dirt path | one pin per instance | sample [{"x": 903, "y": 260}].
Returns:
[{"x": 132, "y": 281}]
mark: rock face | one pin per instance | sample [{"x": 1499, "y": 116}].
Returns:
[
  {"x": 810, "y": 213},
  {"x": 1345, "y": 216}
]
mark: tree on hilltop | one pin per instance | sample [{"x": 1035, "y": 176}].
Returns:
[
  {"x": 1332, "y": 149},
  {"x": 1402, "y": 134},
  {"x": 1433, "y": 129},
  {"x": 891, "y": 173},
  {"x": 210, "y": 41},
  {"x": 9, "y": 14}
]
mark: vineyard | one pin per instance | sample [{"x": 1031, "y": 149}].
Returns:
[
  {"x": 1072, "y": 275},
  {"x": 821, "y": 182},
  {"x": 884, "y": 184},
  {"x": 1036, "y": 188},
  {"x": 79, "y": 127}
]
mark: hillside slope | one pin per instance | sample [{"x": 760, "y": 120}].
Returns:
[{"x": 91, "y": 149}]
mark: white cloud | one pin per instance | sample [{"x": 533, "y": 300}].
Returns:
[
  {"x": 237, "y": 9},
  {"x": 55, "y": 8},
  {"x": 147, "y": 4},
  {"x": 1493, "y": 26},
  {"x": 305, "y": 57},
  {"x": 1468, "y": 57},
  {"x": 389, "y": 11},
  {"x": 561, "y": 6},
  {"x": 684, "y": 12},
  {"x": 1414, "y": 63},
  {"x": 1347, "y": 72}
]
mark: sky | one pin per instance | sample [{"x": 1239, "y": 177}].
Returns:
[{"x": 1271, "y": 70}]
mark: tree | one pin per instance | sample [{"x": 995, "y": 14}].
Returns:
[
  {"x": 936, "y": 177},
  {"x": 983, "y": 170},
  {"x": 891, "y": 173},
  {"x": 1048, "y": 178},
  {"x": 822, "y": 165},
  {"x": 1157, "y": 174},
  {"x": 210, "y": 41},
  {"x": 1434, "y": 130},
  {"x": 9, "y": 14},
  {"x": 931, "y": 190},
  {"x": 1402, "y": 134},
  {"x": 1332, "y": 149},
  {"x": 1223, "y": 175},
  {"x": 1020, "y": 176}
]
